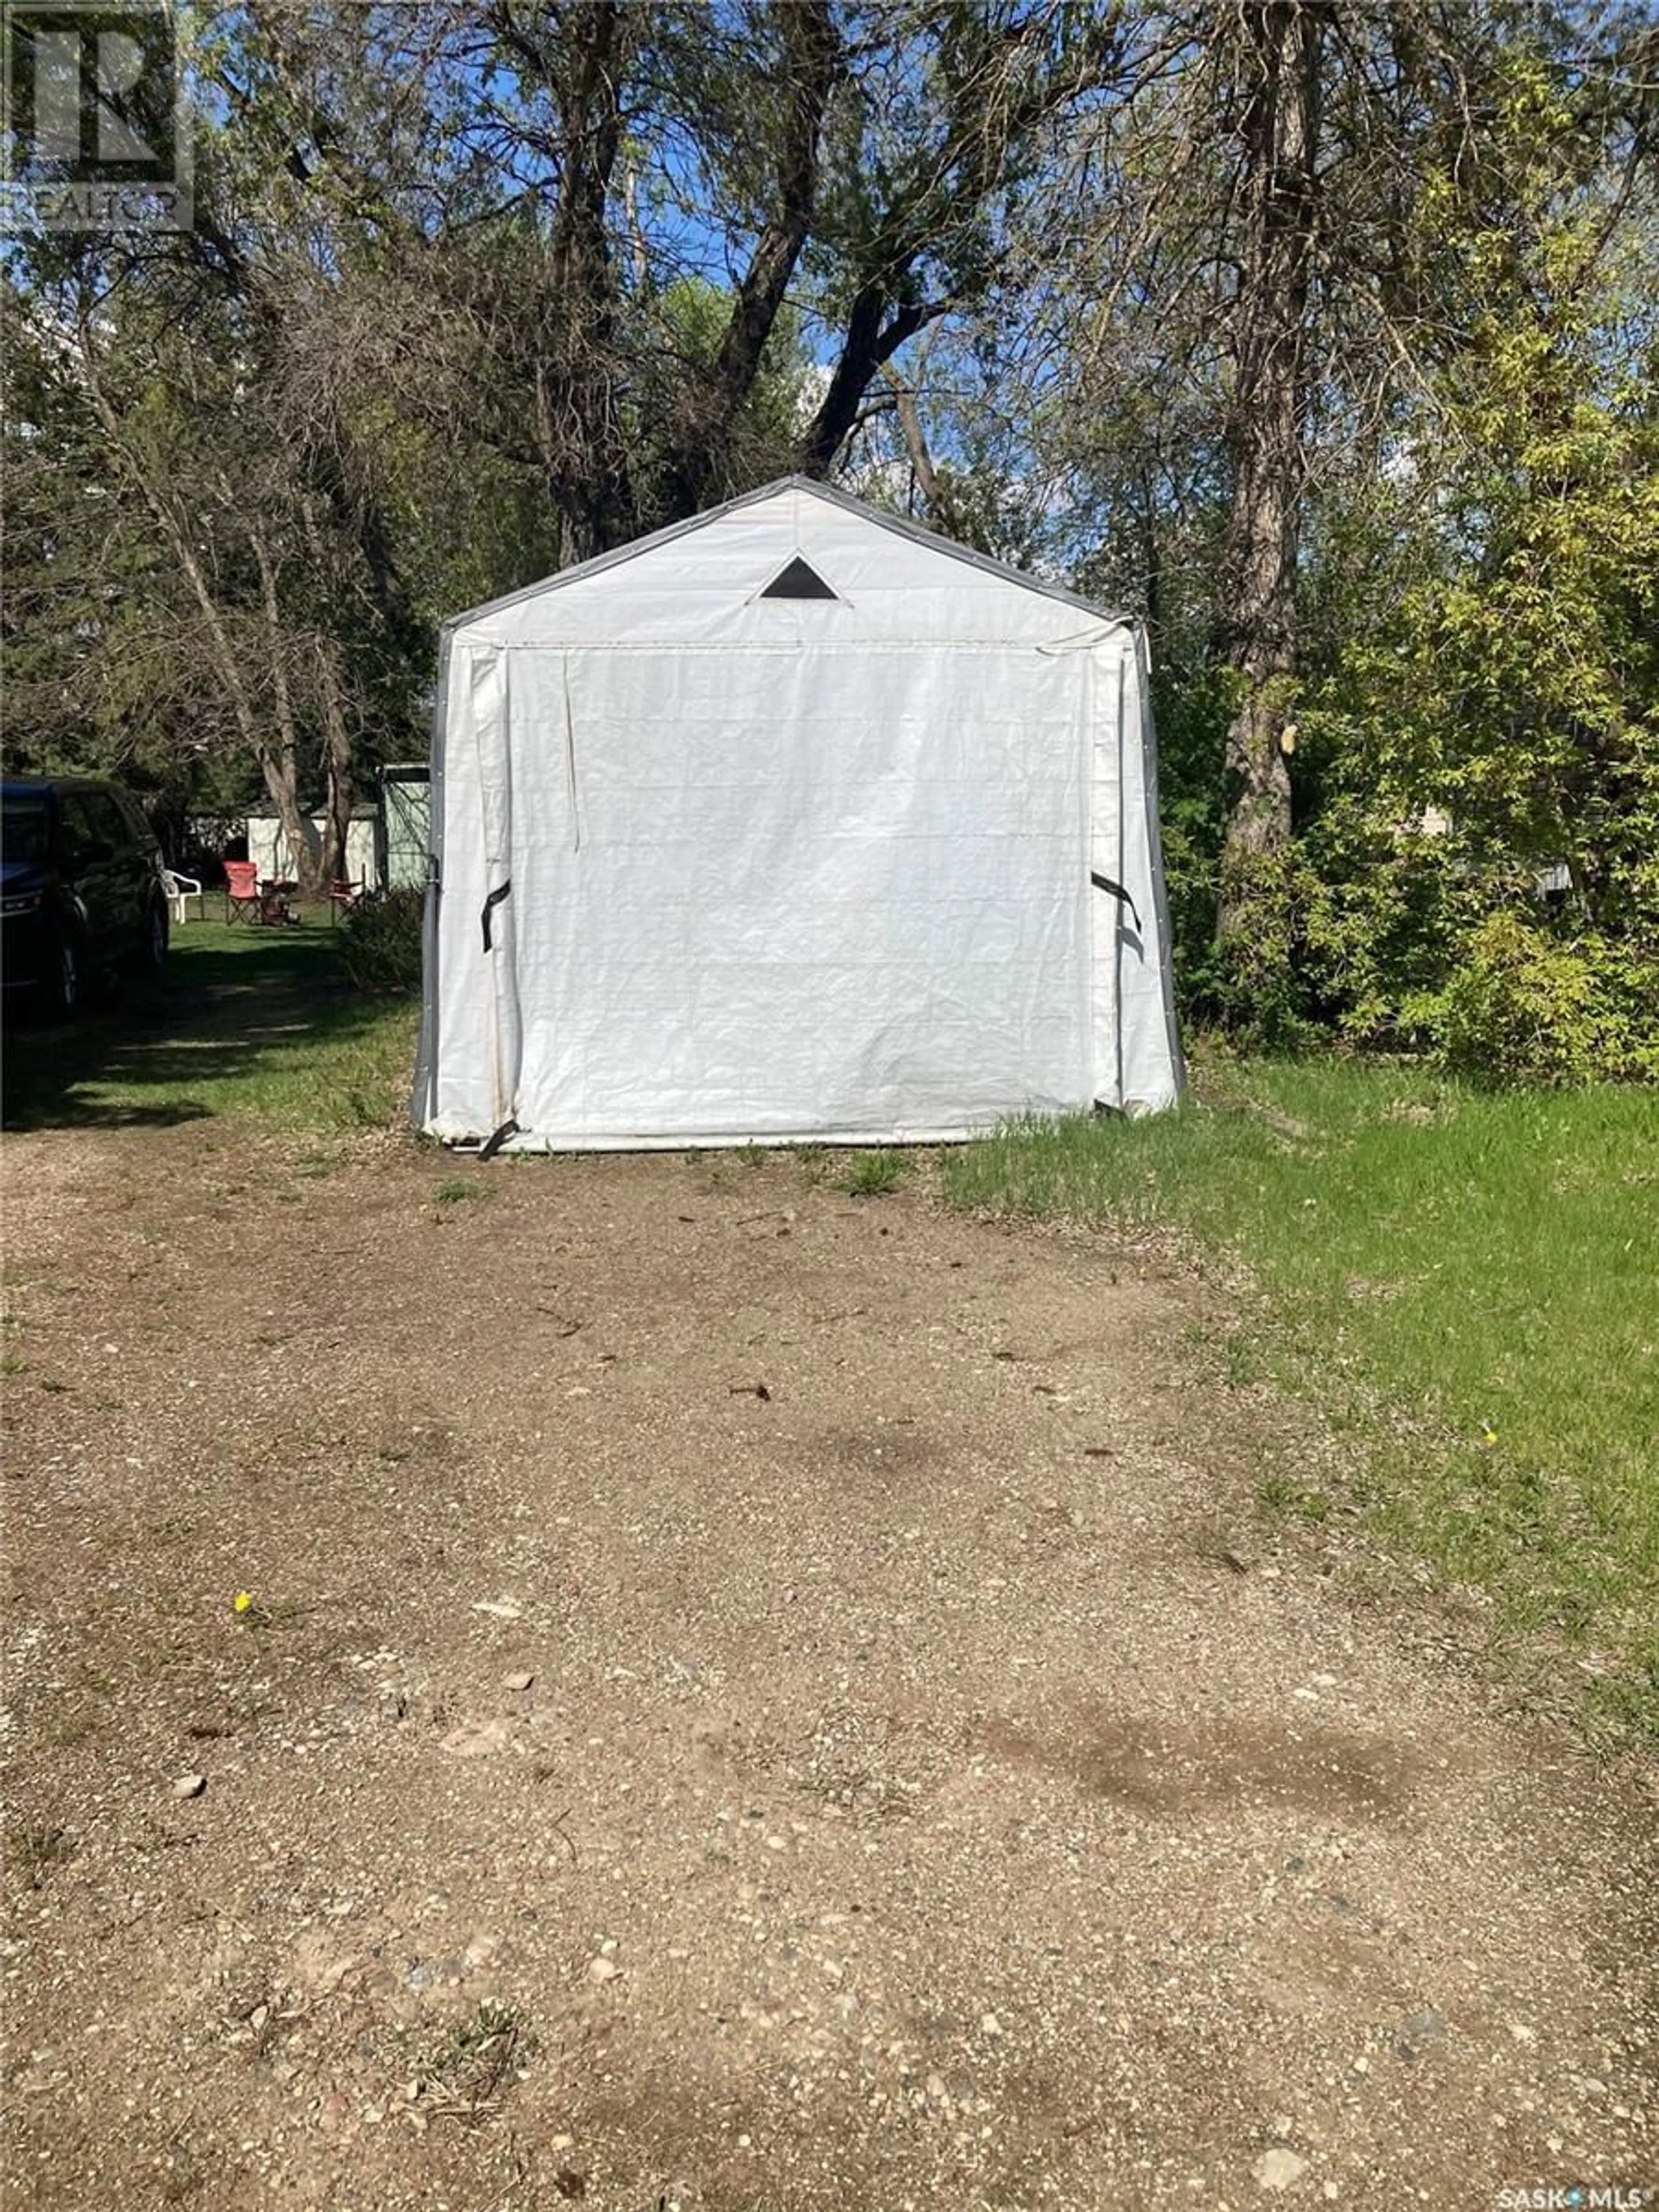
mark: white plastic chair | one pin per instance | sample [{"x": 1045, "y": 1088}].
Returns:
[{"x": 178, "y": 889}]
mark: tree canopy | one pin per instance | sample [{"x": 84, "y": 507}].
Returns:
[{"x": 1320, "y": 333}]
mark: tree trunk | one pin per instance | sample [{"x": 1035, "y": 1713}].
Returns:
[
  {"x": 579, "y": 58},
  {"x": 867, "y": 345},
  {"x": 812, "y": 62},
  {"x": 341, "y": 795},
  {"x": 935, "y": 493},
  {"x": 278, "y": 766},
  {"x": 1278, "y": 129},
  {"x": 333, "y": 697},
  {"x": 297, "y": 833},
  {"x": 281, "y": 772}
]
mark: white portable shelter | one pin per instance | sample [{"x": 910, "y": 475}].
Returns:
[{"x": 792, "y": 823}]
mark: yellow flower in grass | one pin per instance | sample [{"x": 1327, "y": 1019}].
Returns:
[{"x": 243, "y": 1600}]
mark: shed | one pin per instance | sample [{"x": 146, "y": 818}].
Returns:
[
  {"x": 405, "y": 825},
  {"x": 268, "y": 847},
  {"x": 791, "y": 823}
]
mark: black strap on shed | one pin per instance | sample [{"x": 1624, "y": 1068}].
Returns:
[
  {"x": 493, "y": 1143},
  {"x": 494, "y": 900},
  {"x": 1105, "y": 884}
]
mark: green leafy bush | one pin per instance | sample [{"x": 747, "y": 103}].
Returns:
[
  {"x": 380, "y": 942},
  {"x": 1477, "y": 707},
  {"x": 1258, "y": 985},
  {"x": 1520, "y": 1009},
  {"x": 1526, "y": 1006}
]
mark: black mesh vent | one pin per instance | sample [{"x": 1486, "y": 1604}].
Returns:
[{"x": 798, "y": 581}]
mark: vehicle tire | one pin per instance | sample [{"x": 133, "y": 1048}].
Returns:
[
  {"x": 61, "y": 991},
  {"x": 154, "y": 951}
]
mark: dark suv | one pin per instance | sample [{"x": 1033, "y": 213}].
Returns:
[{"x": 80, "y": 887}]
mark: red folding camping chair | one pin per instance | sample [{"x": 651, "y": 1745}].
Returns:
[
  {"x": 247, "y": 899},
  {"x": 242, "y": 901}
]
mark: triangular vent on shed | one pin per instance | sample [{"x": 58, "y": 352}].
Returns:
[{"x": 798, "y": 581}]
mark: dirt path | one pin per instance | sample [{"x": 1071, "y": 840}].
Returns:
[{"x": 909, "y": 1804}]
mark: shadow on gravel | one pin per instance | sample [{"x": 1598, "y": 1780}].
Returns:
[
  {"x": 1176, "y": 1768},
  {"x": 230, "y": 1006}
]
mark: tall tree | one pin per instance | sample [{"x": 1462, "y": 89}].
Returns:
[
  {"x": 1277, "y": 108},
  {"x": 837, "y": 171},
  {"x": 1205, "y": 306}
]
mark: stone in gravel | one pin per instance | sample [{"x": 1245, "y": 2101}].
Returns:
[
  {"x": 990, "y": 2024},
  {"x": 190, "y": 1785},
  {"x": 519, "y": 1681},
  {"x": 473, "y": 1739},
  {"x": 1423, "y": 2025},
  {"x": 1278, "y": 2169},
  {"x": 603, "y": 1970}
]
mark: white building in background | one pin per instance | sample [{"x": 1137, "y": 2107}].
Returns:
[{"x": 267, "y": 847}]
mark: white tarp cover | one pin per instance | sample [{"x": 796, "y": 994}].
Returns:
[{"x": 715, "y": 866}]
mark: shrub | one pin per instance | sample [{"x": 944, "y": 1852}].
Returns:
[
  {"x": 380, "y": 942},
  {"x": 1258, "y": 986},
  {"x": 1525, "y": 1006}
]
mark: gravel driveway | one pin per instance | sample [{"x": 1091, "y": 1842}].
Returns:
[{"x": 744, "y": 1699}]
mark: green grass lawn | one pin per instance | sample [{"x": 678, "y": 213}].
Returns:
[
  {"x": 251, "y": 1023},
  {"x": 1468, "y": 1284}
]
